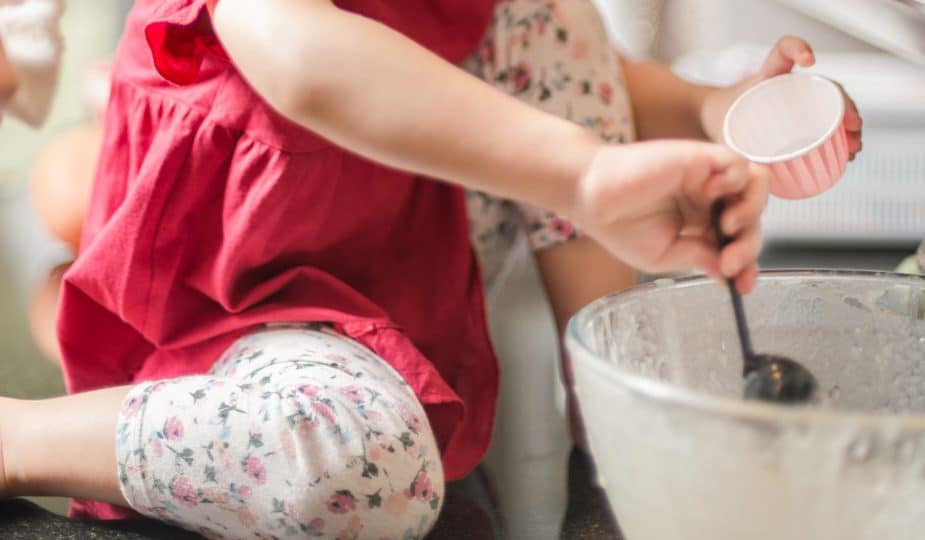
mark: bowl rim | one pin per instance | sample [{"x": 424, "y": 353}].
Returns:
[
  {"x": 782, "y": 158},
  {"x": 738, "y": 409}
]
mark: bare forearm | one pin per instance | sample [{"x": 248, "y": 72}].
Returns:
[
  {"x": 391, "y": 100},
  {"x": 664, "y": 105},
  {"x": 574, "y": 274},
  {"x": 578, "y": 272}
]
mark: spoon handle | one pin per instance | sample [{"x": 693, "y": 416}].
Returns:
[
  {"x": 745, "y": 340},
  {"x": 748, "y": 354}
]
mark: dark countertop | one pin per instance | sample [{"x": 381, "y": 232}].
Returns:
[
  {"x": 466, "y": 515},
  {"x": 22, "y": 520},
  {"x": 588, "y": 516}
]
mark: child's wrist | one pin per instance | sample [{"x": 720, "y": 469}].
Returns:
[
  {"x": 715, "y": 102},
  {"x": 706, "y": 102},
  {"x": 580, "y": 150}
]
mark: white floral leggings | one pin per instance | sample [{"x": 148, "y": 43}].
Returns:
[
  {"x": 296, "y": 432},
  {"x": 299, "y": 432}
]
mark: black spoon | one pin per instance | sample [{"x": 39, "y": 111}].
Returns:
[{"x": 768, "y": 377}]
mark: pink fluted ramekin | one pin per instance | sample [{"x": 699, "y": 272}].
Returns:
[{"x": 794, "y": 124}]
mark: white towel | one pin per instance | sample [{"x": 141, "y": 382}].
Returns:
[{"x": 32, "y": 39}]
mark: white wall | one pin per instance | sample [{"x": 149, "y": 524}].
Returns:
[{"x": 668, "y": 28}]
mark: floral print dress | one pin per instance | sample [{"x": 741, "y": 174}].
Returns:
[{"x": 557, "y": 57}]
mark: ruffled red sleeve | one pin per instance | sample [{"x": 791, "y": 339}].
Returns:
[{"x": 182, "y": 38}]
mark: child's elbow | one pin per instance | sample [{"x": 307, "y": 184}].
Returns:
[
  {"x": 296, "y": 97},
  {"x": 278, "y": 52}
]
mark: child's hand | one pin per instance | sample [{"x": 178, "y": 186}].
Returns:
[
  {"x": 649, "y": 203},
  {"x": 787, "y": 52}
]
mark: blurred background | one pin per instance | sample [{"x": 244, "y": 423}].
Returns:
[
  {"x": 872, "y": 219},
  {"x": 91, "y": 31},
  {"x": 875, "y": 48},
  {"x": 26, "y": 253}
]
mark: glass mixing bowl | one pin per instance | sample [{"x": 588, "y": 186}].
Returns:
[{"x": 683, "y": 457}]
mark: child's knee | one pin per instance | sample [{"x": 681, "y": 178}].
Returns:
[
  {"x": 43, "y": 309},
  {"x": 298, "y": 461},
  {"x": 373, "y": 467},
  {"x": 401, "y": 499},
  {"x": 62, "y": 181}
]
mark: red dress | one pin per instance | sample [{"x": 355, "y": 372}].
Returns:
[{"x": 212, "y": 214}]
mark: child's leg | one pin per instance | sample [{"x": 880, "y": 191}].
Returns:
[
  {"x": 62, "y": 181},
  {"x": 61, "y": 184},
  {"x": 297, "y": 432},
  {"x": 61, "y": 447},
  {"x": 43, "y": 309}
]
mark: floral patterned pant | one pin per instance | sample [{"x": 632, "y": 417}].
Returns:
[
  {"x": 296, "y": 432},
  {"x": 300, "y": 432}
]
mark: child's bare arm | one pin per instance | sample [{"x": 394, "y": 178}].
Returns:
[
  {"x": 665, "y": 105},
  {"x": 372, "y": 90}
]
